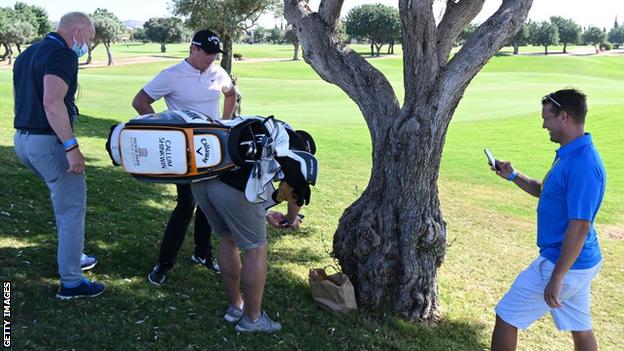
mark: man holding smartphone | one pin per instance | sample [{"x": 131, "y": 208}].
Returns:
[{"x": 559, "y": 279}]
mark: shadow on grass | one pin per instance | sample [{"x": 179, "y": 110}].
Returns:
[{"x": 125, "y": 221}]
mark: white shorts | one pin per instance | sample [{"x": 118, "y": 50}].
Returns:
[{"x": 524, "y": 303}]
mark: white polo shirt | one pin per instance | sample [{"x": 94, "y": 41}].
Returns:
[{"x": 185, "y": 87}]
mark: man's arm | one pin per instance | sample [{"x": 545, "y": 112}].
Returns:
[
  {"x": 229, "y": 102},
  {"x": 529, "y": 185},
  {"x": 54, "y": 90},
  {"x": 142, "y": 103},
  {"x": 573, "y": 241}
]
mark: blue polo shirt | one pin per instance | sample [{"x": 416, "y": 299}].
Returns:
[
  {"x": 48, "y": 56},
  {"x": 573, "y": 189}
]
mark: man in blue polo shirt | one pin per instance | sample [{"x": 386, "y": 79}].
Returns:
[
  {"x": 45, "y": 77},
  {"x": 559, "y": 280}
]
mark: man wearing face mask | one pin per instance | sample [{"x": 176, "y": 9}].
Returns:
[
  {"x": 45, "y": 78},
  {"x": 196, "y": 83}
]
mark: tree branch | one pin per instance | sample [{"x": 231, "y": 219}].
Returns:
[
  {"x": 456, "y": 17},
  {"x": 329, "y": 10},
  {"x": 418, "y": 31},
  {"x": 336, "y": 63},
  {"x": 490, "y": 37}
]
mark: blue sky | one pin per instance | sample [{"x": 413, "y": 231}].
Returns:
[{"x": 596, "y": 12}]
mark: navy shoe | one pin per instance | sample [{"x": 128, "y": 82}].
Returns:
[
  {"x": 157, "y": 276},
  {"x": 86, "y": 288},
  {"x": 87, "y": 262},
  {"x": 207, "y": 262}
]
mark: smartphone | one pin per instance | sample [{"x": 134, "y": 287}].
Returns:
[{"x": 491, "y": 159}]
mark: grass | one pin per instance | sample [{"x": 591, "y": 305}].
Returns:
[{"x": 490, "y": 224}]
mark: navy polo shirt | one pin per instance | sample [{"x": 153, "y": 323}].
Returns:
[
  {"x": 573, "y": 189},
  {"x": 48, "y": 56}
]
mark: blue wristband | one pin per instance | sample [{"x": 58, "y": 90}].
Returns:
[
  {"x": 69, "y": 143},
  {"x": 512, "y": 176}
]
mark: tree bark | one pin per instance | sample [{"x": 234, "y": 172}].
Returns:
[
  {"x": 545, "y": 49},
  {"x": 391, "y": 240},
  {"x": 516, "y": 48},
  {"x": 565, "y": 45},
  {"x": 109, "y": 54},
  {"x": 19, "y": 49},
  {"x": 163, "y": 48},
  {"x": 226, "y": 59},
  {"x": 10, "y": 54},
  {"x": 6, "y": 52},
  {"x": 296, "y": 52}
]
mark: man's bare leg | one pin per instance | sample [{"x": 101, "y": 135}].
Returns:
[
  {"x": 253, "y": 279},
  {"x": 229, "y": 261},
  {"x": 584, "y": 340},
  {"x": 505, "y": 336}
]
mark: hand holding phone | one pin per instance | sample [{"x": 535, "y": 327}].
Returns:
[{"x": 491, "y": 159}]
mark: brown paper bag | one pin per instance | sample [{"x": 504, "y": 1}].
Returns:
[{"x": 333, "y": 292}]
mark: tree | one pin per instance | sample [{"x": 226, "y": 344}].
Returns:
[
  {"x": 391, "y": 241},
  {"x": 6, "y": 20},
  {"x": 291, "y": 37},
  {"x": 36, "y": 16},
  {"x": 164, "y": 31},
  {"x": 18, "y": 33},
  {"x": 616, "y": 36},
  {"x": 569, "y": 31},
  {"x": 595, "y": 36},
  {"x": 376, "y": 22},
  {"x": 227, "y": 17},
  {"x": 523, "y": 37},
  {"x": 108, "y": 28},
  {"x": 545, "y": 34}
]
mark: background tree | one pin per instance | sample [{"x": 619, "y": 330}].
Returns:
[
  {"x": 545, "y": 34},
  {"x": 108, "y": 28},
  {"x": 523, "y": 37},
  {"x": 465, "y": 34},
  {"x": 391, "y": 241},
  {"x": 376, "y": 22},
  {"x": 227, "y": 17},
  {"x": 594, "y": 36},
  {"x": 36, "y": 16},
  {"x": 569, "y": 31},
  {"x": 18, "y": 33},
  {"x": 138, "y": 34},
  {"x": 291, "y": 37},
  {"x": 164, "y": 31},
  {"x": 616, "y": 36},
  {"x": 6, "y": 20}
]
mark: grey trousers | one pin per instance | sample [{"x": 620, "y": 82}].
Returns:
[{"x": 45, "y": 156}]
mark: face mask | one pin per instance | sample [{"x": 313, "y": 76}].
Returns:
[{"x": 80, "y": 49}]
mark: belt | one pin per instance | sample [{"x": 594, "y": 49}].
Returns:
[{"x": 35, "y": 132}]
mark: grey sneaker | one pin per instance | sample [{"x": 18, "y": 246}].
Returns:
[
  {"x": 233, "y": 314},
  {"x": 264, "y": 324}
]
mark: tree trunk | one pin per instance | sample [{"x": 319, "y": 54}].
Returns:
[
  {"x": 564, "y": 48},
  {"x": 596, "y": 48},
  {"x": 372, "y": 48},
  {"x": 378, "y": 47},
  {"x": 6, "y": 52},
  {"x": 10, "y": 55},
  {"x": 163, "y": 48},
  {"x": 516, "y": 48},
  {"x": 109, "y": 54},
  {"x": 19, "y": 49},
  {"x": 226, "y": 59},
  {"x": 393, "y": 238},
  {"x": 545, "y": 49},
  {"x": 296, "y": 53},
  {"x": 89, "y": 56}
]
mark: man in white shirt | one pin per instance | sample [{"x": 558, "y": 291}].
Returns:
[{"x": 193, "y": 84}]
